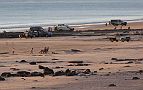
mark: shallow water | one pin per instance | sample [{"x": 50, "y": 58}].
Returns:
[{"x": 15, "y": 12}]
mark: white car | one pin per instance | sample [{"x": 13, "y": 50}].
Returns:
[
  {"x": 120, "y": 37},
  {"x": 63, "y": 27}
]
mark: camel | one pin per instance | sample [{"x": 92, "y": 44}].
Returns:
[{"x": 44, "y": 51}]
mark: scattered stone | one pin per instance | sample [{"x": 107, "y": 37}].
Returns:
[
  {"x": 37, "y": 74},
  {"x": 41, "y": 67},
  {"x": 59, "y": 73},
  {"x": 127, "y": 66},
  {"x": 4, "y": 53},
  {"x": 101, "y": 68},
  {"x": 106, "y": 63},
  {"x": 112, "y": 85},
  {"x": 135, "y": 78},
  {"x": 127, "y": 59},
  {"x": 2, "y": 79},
  {"x": 58, "y": 67},
  {"x": 70, "y": 65},
  {"x": 70, "y": 72},
  {"x": 23, "y": 73},
  {"x": 32, "y": 63},
  {"x": 129, "y": 62},
  {"x": 55, "y": 59},
  {"x": 81, "y": 64},
  {"x": 23, "y": 78},
  {"x": 75, "y": 62},
  {"x": 87, "y": 71},
  {"x": 140, "y": 71},
  {"x": 48, "y": 71},
  {"x": 23, "y": 61},
  {"x": 55, "y": 53},
  {"x": 6, "y": 74},
  {"x": 44, "y": 62},
  {"x": 75, "y": 50},
  {"x": 78, "y": 64},
  {"x": 33, "y": 87},
  {"x": 114, "y": 59}
]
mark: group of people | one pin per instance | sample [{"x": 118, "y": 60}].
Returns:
[{"x": 43, "y": 51}]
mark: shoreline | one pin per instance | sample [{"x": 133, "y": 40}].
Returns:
[{"x": 91, "y": 25}]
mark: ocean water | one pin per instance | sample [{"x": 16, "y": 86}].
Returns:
[{"x": 33, "y": 12}]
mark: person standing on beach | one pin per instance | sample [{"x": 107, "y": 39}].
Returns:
[
  {"x": 31, "y": 52},
  {"x": 47, "y": 49},
  {"x": 106, "y": 24},
  {"x": 13, "y": 50}
]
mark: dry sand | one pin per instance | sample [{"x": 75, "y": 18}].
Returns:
[{"x": 94, "y": 51}]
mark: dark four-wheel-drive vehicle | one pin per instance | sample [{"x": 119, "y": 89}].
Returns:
[
  {"x": 118, "y": 22},
  {"x": 36, "y": 31}
]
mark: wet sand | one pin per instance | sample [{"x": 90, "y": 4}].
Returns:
[{"x": 132, "y": 25}]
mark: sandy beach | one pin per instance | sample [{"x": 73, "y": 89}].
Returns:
[{"x": 112, "y": 65}]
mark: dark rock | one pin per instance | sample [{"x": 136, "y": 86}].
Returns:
[
  {"x": 127, "y": 66},
  {"x": 95, "y": 71},
  {"x": 55, "y": 53},
  {"x": 75, "y": 62},
  {"x": 2, "y": 79},
  {"x": 70, "y": 65},
  {"x": 59, "y": 73},
  {"x": 23, "y": 61},
  {"x": 112, "y": 85},
  {"x": 129, "y": 62},
  {"x": 36, "y": 74},
  {"x": 43, "y": 62},
  {"x": 13, "y": 75},
  {"x": 101, "y": 68},
  {"x": 58, "y": 67},
  {"x": 70, "y": 72},
  {"x": 106, "y": 63},
  {"x": 135, "y": 78},
  {"x": 87, "y": 71},
  {"x": 23, "y": 78},
  {"x": 55, "y": 59},
  {"x": 23, "y": 73},
  {"x": 41, "y": 67},
  {"x": 33, "y": 87},
  {"x": 75, "y": 50},
  {"x": 6, "y": 74},
  {"x": 48, "y": 71},
  {"x": 140, "y": 71},
  {"x": 81, "y": 64},
  {"x": 114, "y": 59},
  {"x": 32, "y": 63}
]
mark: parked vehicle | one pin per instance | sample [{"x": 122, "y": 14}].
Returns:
[
  {"x": 36, "y": 31},
  {"x": 120, "y": 37},
  {"x": 63, "y": 27},
  {"x": 118, "y": 22}
]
